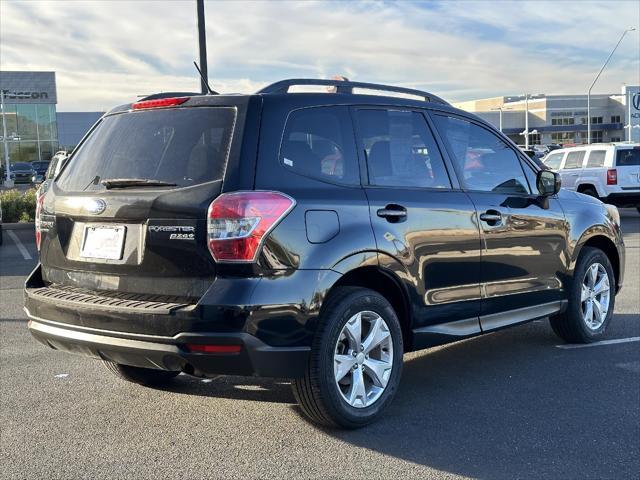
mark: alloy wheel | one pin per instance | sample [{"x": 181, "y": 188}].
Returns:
[
  {"x": 363, "y": 359},
  {"x": 595, "y": 296}
]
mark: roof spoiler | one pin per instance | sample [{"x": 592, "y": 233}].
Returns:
[
  {"x": 344, "y": 86},
  {"x": 157, "y": 96}
]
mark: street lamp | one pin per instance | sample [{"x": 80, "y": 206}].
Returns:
[
  {"x": 630, "y": 29},
  {"x": 500, "y": 109}
]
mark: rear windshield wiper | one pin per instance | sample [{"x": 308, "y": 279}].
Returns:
[{"x": 135, "y": 182}]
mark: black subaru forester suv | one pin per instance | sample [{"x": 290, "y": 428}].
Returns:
[{"x": 316, "y": 236}]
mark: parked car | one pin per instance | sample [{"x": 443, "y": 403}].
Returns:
[
  {"x": 40, "y": 169},
  {"x": 55, "y": 166},
  {"x": 610, "y": 172},
  {"x": 22, "y": 172},
  {"x": 310, "y": 236}
]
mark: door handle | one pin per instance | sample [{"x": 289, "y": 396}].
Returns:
[
  {"x": 492, "y": 217},
  {"x": 393, "y": 213}
]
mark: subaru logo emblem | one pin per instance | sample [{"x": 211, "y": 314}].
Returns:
[{"x": 95, "y": 206}]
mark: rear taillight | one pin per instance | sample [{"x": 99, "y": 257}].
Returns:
[
  {"x": 159, "y": 103},
  {"x": 39, "y": 203},
  {"x": 238, "y": 222},
  {"x": 612, "y": 176}
]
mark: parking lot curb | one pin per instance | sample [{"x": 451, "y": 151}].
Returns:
[{"x": 19, "y": 226}]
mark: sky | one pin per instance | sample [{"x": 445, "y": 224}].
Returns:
[{"x": 107, "y": 53}]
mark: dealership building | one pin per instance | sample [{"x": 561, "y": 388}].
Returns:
[
  {"x": 34, "y": 129},
  {"x": 563, "y": 118}
]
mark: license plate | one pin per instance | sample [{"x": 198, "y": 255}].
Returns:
[{"x": 105, "y": 242}]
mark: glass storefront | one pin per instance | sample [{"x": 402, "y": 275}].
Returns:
[{"x": 32, "y": 133}]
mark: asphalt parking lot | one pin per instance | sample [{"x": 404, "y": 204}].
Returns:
[{"x": 513, "y": 404}]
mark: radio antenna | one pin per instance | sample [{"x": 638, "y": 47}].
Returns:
[{"x": 204, "y": 80}]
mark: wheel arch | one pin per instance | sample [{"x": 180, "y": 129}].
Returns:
[
  {"x": 605, "y": 244},
  {"x": 388, "y": 285}
]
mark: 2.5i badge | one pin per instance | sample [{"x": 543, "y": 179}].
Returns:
[{"x": 176, "y": 232}]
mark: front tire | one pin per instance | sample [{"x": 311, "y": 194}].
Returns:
[
  {"x": 591, "y": 299},
  {"x": 143, "y": 376},
  {"x": 356, "y": 360}
]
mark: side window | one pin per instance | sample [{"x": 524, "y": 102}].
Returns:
[
  {"x": 553, "y": 161},
  {"x": 318, "y": 142},
  {"x": 400, "y": 150},
  {"x": 484, "y": 161},
  {"x": 574, "y": 159},
  {"x": 596, "y": 158}
]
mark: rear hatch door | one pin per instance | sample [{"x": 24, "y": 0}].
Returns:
[
  {"x": 128, "y": 212},
  {"x": 628, "y": 167}
]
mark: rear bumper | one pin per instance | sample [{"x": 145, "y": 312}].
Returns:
[
  {"x": 623, "y": 199},
  {"x": 255, "y": 358}
]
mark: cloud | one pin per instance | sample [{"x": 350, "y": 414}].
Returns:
[{"x": 106, "y": 53}]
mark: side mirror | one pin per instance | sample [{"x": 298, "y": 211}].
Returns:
[{"x": 548, "y": 183}]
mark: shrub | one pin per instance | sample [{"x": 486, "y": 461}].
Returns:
[{"x": 18, "y": 206}]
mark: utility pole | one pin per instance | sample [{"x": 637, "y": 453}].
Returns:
[{"x": 202, "y": 45}]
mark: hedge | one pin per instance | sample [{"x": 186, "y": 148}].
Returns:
[{"x": 18, "y": 206}]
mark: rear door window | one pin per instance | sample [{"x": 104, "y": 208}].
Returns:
[
  {"x": 318, "y": 142},
  {"x": 574, "y": 159},
  {"x": 553, "y": 161},
  {"x": 484, "y": 161},
  {"x": 596, "y": 158},
  {"x": 628, "y": 157},
  {"x": 401, "y": 150},
  {"x": 182, "y": 146}
]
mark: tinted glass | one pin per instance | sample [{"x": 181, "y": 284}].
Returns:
[
  {"x": 554, "y": 160},
  {"x": 400, "y": 150},
  {"x": 574, "y": 159},
  {"x": 319, "y": 143},
  {"x": 485, "y": 162},
  {"x": 596, "y": 158},
  {"x": 21, "y": 166},
  {"x": 628, "y": 157},
  {"x": 185, "y": 146}
]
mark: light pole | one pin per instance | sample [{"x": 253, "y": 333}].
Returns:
[
  {"x": 526, "y": 121},
  {"x": 202, "y": 47},
  {"x": 7, "y": 181},
  {"x": 500, "y": 109},
  {"x": 630, "y": 29}
]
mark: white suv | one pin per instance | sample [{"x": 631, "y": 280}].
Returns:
[{"x": 610, "y": 172}]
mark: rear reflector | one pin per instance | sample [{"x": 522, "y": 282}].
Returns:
[
  {"x": 159, "y": 103},
  {"x": 612, "y": 176},
  {"x": 238, "y": 222},
  {"x": 214, "y": 348}
]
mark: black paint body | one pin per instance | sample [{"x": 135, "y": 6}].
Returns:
[{"x": 448, "y": 274}]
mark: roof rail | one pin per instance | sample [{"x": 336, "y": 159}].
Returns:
[
  {"x": 344, "y": 86},
  {"x": 157, "y": 96}
]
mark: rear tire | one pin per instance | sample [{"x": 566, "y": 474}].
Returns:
[
  {"x": 575, "y": 325},
  {"x": 591, "y": 192},
  {"x": 143, "y": 376},
  {"x": 349, "y": 382}
]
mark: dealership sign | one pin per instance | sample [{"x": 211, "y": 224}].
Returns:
[
  {"x": 632, "y": 102},
  {"x": 28, "y": 87}
]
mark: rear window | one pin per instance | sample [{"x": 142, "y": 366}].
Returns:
[
  {"x": 628, "y": 157},
  {"x": 21, "y": 166},
  {"x": 184, "y": 146},
  {"x": 596, "y": 158},
  {"x": 574, "y": 159}
]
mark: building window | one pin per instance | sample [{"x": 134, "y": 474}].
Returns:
[
  {"x": 615, "y": 139},
  {"x": 32, "y": 132},
  {"x": 583, "y": 120},
  {"x": 562, "y": 137},
  {"x": 615, "y": 119},
  {"x": 563, "y": 121},
  {"x": 596, "y": 137},
  {"x": 596, "y": 120}
]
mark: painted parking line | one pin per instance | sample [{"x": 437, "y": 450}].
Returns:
[
  {"x": 25, "y": 253},
  {"x": 598, "y": 344}
]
